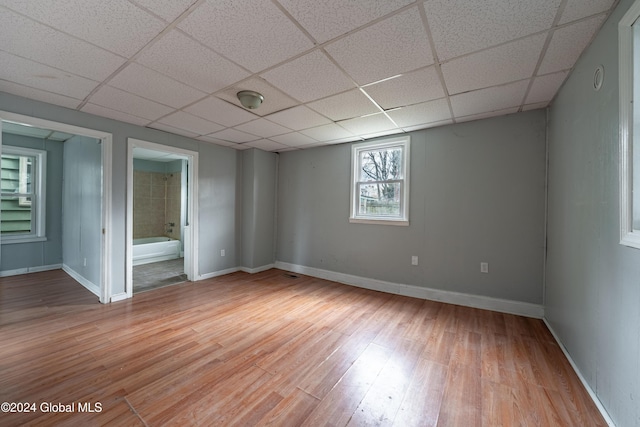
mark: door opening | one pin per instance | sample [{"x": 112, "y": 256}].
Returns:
[{"x": 160, "y": 216}]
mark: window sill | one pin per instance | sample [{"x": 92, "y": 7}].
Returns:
[
  {"x": 400, "y": 222},
  {"x": 11, "y": 241}
]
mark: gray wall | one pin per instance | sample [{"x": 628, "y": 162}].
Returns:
[
  {"x": 160, "y": 167},
  {"x": 82, "y": 207},
  {"x": 592, "y": 282},
  {"x": 37, "y": 254},
  {"x": 219, "y": 179},
  {"x": 259, "y": 176},
  {"x": 477, "y": 194}
]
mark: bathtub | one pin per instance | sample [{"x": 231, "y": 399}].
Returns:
[{"x": 153, "y": 249}]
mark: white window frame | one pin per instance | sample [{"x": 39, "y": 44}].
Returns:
[
  {"x": 628, "y": 235},
  {"x": 403, "y": 219},
  {"x": 38, "y": 213}
]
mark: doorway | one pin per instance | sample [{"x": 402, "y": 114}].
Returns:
[
  {"x": 161, "y": 216},
  {"x": 91, "y": 267}
]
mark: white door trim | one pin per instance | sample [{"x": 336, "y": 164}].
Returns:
[
  {"x": 106, "y": 143},
  {"x": 191, "y": 239}
]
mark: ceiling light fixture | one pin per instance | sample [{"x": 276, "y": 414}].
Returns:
[{"x": 250, "y": 99}]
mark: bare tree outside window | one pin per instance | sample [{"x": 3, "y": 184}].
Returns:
[{"x": 380, "y": 182}]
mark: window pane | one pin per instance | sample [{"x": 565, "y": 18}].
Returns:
[
  {"x": 379, "y": 199},
  {"x": 381, "y": 165},
  {"x": 17, "y": 174},
  {"x": 16, "y": 215}
]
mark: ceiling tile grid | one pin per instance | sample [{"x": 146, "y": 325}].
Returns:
[
  {"x": 253, "y": 33},
  {"x": 115, "y": 25},
  {"x": 505, "y": 63},
  {"x": 407, "y": 89},
  {"x": 330, "y": 71},
  {"x": 464, "y": 26},
  {"x": 393, "y": 46}
]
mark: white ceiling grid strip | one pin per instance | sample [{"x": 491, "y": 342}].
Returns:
[{"x": 331, "y": 71}]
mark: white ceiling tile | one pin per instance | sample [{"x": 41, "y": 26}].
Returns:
[
  {"x": 263, "y": 128},
  {"x": 191, "y": 63},
  {"x": 537, "y": 106},
  {"x": 480, "y": 116},
  {"x": 294, "y": 139},
  {"x": 463, "y": 26},
  {"x": 427, "y": 125},
  {"x": 345, "y": 105},
  {"x": 274, "y": 99},
  {"x": 216, "y": 141},
  {"x": 567, "y": 43},
  {"x": 309, "y": 77},
  {"x": 174, "y": 130},
  {"x": 367, "y": 125},
  {"x": 116, "y": 25},
  {"x": 253, "y": 33},
  {"x": 219, "y": 111},
  {"x": 38, "y": 95},
  {"x": 38, "y": 76},
  {"x": 393, "y": 46},
  {"x": 298, "y": 118},
  {"x": 419, "y": 114},
  {"x": 233, "y": 135},
  {"x": 166, "y": 9},
  {"x": 489, "y": 100},
  {"x": 43, "y": 44},
  {"x": 327, "y": 132},
  {"x": 152, "y": 85},
  {"x": 505, "y": 63},
  {"x": 266, "y": 145},
  {"x": 129, "y": 103},
  {"x": 327, "y": 19},
  {"x": 577, "y": 9},
  {"x": 544, "y": 88},
  {"x": 393, "y": 131},
  {"x": 101, "y": 111},
  {"x": 188, "y": 122},
  {"x": 411, "y": 88},
  {"x": 343, "y": 140}
]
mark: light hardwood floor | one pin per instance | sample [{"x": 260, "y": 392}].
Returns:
[{"x": 270, "y": 349}]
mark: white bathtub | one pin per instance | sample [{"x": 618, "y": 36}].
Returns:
[{"x": 153, "y": 249}]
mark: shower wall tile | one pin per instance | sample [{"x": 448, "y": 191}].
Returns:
[{"x": 156, "y": 203}]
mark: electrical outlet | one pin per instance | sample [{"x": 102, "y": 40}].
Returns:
[
  {"x": 484, "y": 267},
  {"x": 414, "y": 260},
  {"x": 84, "y": 263},
  {"x": 222, "y": 252}
]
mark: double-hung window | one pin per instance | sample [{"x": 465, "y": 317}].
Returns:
[
  {"x": 22, "y": 215},
  {"x": 380, "y": 182}
]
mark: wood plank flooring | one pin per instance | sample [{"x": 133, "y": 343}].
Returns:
[{"x": 270, "y": 349}]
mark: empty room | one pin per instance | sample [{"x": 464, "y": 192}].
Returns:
[{"x": 305, "y": 213}]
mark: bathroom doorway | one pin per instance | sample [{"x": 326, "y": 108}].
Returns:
[{"x": 160, "y": 216}]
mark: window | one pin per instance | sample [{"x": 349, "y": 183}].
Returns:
[
  {"x": 23, "y": 196},
  {"x": 629, "y": 37},
  {"x": 380, "y": 182}
]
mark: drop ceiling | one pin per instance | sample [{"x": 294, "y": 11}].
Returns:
[{"x": 331, "y": 71}]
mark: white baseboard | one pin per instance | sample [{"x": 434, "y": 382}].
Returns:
[
  {"x": 18, "y": 271},
  {"x": 119, "y": 297},
  {"x": 92, "y": 287},
  {"x": 257, "y": 269},
  {"x": 586, "y": 385},
  {"x": 235, "y": 269},
  {"x": 475, "y": 301},
  {"x": 217, "y": 273}
]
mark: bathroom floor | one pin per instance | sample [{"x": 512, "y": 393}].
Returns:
[{"x": 158, "y": 274}]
